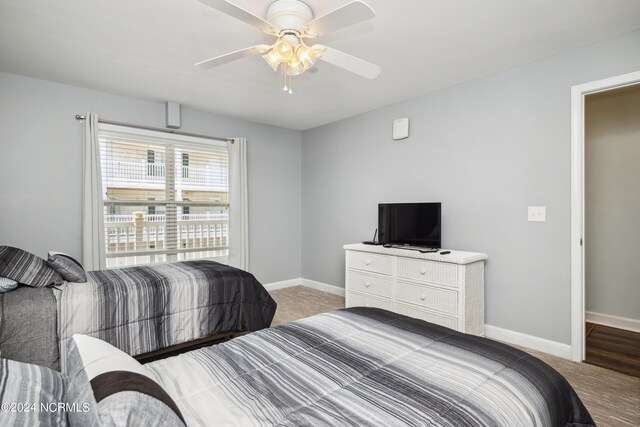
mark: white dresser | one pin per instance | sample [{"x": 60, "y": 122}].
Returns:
[{"x": 443, "y": 289}]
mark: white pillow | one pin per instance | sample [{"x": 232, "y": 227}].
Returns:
[
  {"x": 99, "y": 357},
  {"x": 7, "y": 285}
]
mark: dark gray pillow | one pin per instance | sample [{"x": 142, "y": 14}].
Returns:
[
  {"x": 70, "y": 269},
  {"x": 27, "y": 268}
]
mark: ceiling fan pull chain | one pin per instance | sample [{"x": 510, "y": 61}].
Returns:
[{"x": 284, "y": 76}]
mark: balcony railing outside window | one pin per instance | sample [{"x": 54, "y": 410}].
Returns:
[
  {"x": 155, "y": 173},
  {"x": 203, "y": 235}
]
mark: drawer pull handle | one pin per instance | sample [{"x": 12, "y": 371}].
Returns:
[
  {"x": 368, "y": 284},
  {"x": 423, "y": 271},
  {"x": 367, "y": 262},
  {"x": 423, "y": 297}
]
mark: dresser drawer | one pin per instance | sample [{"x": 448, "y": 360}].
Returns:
[
  {"x": 427, "y": 315},
  {"x": 441, "y": 273},
  {"x": 370, "y": 262},
  {"x": 356, "y": 299},
  {"x": 371, "y": 284},
  {"x": 444, "y": 300}
]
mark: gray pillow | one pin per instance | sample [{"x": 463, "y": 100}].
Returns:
[
  {"x": 70, "y": 269},
  {"x": 7, "y": 285},
  {"x": 27, "y": 268}
]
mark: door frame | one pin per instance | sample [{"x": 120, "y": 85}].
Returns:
[{"x": 578, "y": 94}]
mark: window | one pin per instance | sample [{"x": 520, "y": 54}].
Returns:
[
  {"x": 170, "y": 193},
  {"x": 151, "y": 163},
  {"x": 185, "y": 165}
]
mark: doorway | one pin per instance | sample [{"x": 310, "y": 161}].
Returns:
[
  {"x": 612, "y": 229},
  {"x": 580, "y": 255}
]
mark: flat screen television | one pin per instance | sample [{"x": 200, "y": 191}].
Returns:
[{"x": 415, "y": 224}]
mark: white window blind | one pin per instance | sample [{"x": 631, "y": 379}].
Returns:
[{"x": 166, "y": 197}]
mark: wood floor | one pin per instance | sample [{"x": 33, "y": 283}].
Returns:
[
  {"x": 614, "y": 349},
  {"x": 613, "y": 399}
]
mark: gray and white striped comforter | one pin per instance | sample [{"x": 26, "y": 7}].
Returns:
[
  {"x": 143, "y": 309},
  {"x": 367, "y": 367},
  {"x": 30, "y": 395}
]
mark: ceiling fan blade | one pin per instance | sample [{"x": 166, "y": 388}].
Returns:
[
  {"x": 350, "y": 14},
  {"x": 239, "y": 13},
  {"x": 349, "y": 63},
  {"x": 233, "y": 56}
]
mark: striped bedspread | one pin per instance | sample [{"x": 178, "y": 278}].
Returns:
[
  {"x": 30, "y": 395},
  {"x": 367, "y": 367},
  {"x": 143, "y": 309}
]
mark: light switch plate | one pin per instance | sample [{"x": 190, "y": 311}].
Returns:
[{"x": 537, "y": 214}]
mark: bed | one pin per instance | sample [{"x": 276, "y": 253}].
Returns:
[
  {"x": 139, "y": 310},
  {"x": 367, "y": 367},
  {"x": 354, "y": 366}
]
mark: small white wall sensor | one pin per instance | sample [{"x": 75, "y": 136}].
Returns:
[{"x": 400, "y": 129}]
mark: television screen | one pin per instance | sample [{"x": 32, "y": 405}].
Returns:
[{"x": 415, "y": 224}]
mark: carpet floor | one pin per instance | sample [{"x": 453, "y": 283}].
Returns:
[{"x": 612, "y": 398}]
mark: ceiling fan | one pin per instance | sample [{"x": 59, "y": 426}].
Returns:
[{"x": 292, "y": 21}]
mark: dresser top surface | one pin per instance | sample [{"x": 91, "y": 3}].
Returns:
[{"x": 455, "y": 257}]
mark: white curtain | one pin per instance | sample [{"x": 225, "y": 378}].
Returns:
[
  {"x": 93, "y": 249},
  {"x": 239, "y": 205}
]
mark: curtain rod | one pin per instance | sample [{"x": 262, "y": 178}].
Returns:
[{"x": 108, "y": 122}]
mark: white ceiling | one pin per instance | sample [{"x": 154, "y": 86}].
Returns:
[{"x": 147, "y": 48}]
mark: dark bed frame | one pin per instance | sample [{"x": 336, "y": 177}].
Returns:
[{"x": 174, "y": 350}]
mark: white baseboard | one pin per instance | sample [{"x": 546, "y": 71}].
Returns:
[
  {"x": 283, "y": 284},
  {"x": 529, "y": 341},
  {"x": 493, "y": 332},
  {"x": 613, "y": 321},
  {"x": 324, "y": 287},
  {"x": 318, "y": 286}
]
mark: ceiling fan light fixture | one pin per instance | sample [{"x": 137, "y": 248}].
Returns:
[
  {"x": 283, "y": 50},
  {"x": 295, "y": 67},
  {"x": 272, "y": 59},
  {"x": 307, "y": 55}
]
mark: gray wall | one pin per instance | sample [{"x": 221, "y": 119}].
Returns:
[
  {"x": 612, "y": 198},
  {"x": 41, "y": 170},
  {"x": 487, "y": 149}
]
